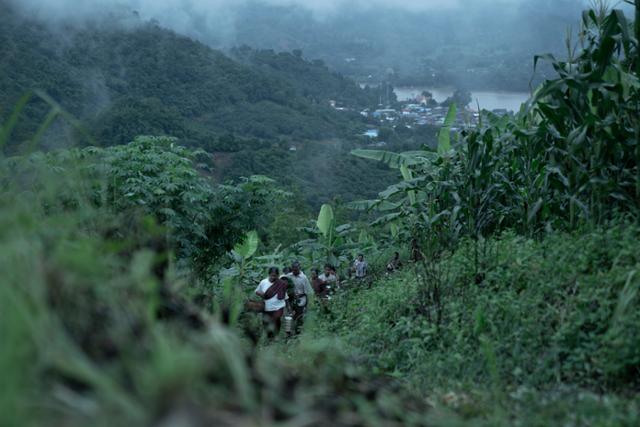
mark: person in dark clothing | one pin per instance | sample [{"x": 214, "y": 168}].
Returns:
[
  {"x": 395, "y": 263},
  {"x": 416, "y": 252},
  {"x": 319, "y": 286},
  {"x": 303, "y": 292}
]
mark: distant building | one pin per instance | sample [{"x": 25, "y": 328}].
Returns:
[{"x": 385, "y": 113}]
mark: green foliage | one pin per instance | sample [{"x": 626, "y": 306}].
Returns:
[
  {"x": 249, "y": 245},
  {"x": 569, "y": 158},
  {"x": 508, "y": 313},
  {"x": 312, "y": 79},
  {"x": 545, "y": 317},
  {"x": 248, "y": 112},
  {"x": 319, "y": 171},
  {"x": 393, "y": 160},
  {"x": 444, "y": 137},
  {"x": 98, "y": 246},
  {"x": 331, "y": 243},
  {"x": 97, "y": 329},
  {"x": 326, "y": 221},
  {"x": 157, "y": 178},
  {"x": 206, "y": 221}
]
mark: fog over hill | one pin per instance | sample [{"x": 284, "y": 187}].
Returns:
[{"x": 474, "y": 43}]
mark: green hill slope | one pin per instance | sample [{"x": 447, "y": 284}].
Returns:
[{"x": 148, "y": 80}]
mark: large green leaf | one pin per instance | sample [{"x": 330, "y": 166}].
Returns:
[
  {"x": 386, "y": 206},
  {"x": 444, "y": 138},
  {"x": 249, "y": 245},
  {"x": 393, "y": 190},
  {"x": 7, "y": 127},
  {"x": 344, "y": 228},
  {"x": 406, "y": 173},
  {"x": 325, "y": 219},
  {"x": 376, "y": 205},
  {"x": 393, "y": 160},
  {"x": 408, "y": 176},
  {"x": 363, "y": 205},
  {"x": 386, "y": 219}
]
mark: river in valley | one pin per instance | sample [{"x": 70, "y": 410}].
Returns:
[{"x": 488, "y": 100}]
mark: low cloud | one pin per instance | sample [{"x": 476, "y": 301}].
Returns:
[
  {"x": 188, "y": 16},
  {"x": 215, "y": 21}
]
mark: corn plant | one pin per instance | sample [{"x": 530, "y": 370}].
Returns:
[{"x": 569, "y": 157}]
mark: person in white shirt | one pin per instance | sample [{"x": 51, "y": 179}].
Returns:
[
  {"x": 329, "y": 277},
  {"x": 360, "y": 267},
  {"x": 274, "y": 292},
  {"x": 303, "y": 292}
]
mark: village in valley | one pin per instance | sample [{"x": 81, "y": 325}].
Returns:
[{"x": 421, "y": 110}]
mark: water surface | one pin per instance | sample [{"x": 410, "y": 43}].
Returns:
[{"x": 488, "y": 100}]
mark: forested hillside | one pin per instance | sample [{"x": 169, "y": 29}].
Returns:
[
  {"x": 250, "y": 110},
  {"x": 312, "y": 79},
  {"x": 147, "y": 80}
]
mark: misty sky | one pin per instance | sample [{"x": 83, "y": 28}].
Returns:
[
  {"x": 218, "y": 15},
  {"x": 176, "y": 9}
]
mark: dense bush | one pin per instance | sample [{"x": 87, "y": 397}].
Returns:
[{"x": 157, "y": 178}]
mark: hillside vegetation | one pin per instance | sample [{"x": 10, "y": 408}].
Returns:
[
  {"x": 127, "y": 272},
  {"x": 119, "y": 81},
  {"x": 148, "y": 80}
]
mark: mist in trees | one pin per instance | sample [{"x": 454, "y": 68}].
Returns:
[{"x": 477, "y": 44}]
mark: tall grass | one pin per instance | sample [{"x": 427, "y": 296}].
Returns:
[{"x": 98, "y": 331}]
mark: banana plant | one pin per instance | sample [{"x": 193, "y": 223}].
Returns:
[
  {"x": 332, "y": 242},
  {"x": 421, "y": 173},
  {"x": 244, "y": 268},
  {"x": 236, "y": 279}
]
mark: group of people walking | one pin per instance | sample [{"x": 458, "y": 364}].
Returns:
[{"x": 288, "y": 295}]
